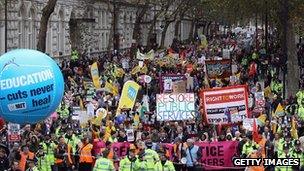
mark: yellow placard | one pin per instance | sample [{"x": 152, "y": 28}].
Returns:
[
  {"x": 128, "y": 95},
  {"x": 95, "y": 75}
]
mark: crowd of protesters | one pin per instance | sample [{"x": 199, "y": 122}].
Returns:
[{"x": 63, "y": 143}]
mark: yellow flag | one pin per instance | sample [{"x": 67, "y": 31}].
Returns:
[
  {"x": 267, "y": 91},
  {"x": 81, "y": 104},
  {"x": 128, "y": 95},
  {"x": 95, "y": 75},
  {"x": 204, "y": 42},
  {"x": 101, "y": 113},
  {"x": 294, "y": 131},
  {"x": 135, "y": 70},
  {"x": 119, "y": 72},
  {"x": 261, "y": 119},
  {"x": 149, "y": 56},
  {"x": 111, "y": 88},
  {"x": 274, "y": 127},
  {"x": 136, "y": 120},
  {"x": 279, "y": 111}
]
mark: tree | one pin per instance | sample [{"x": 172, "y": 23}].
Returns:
[
  {"x": 46, "y": 13},
  {"x": 163, "y": 6},
  {"x": 142, "y": 8},
  {"x": 170, "y": 16}
]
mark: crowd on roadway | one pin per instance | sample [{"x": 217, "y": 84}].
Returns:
[{"x": 63, "y": 143}]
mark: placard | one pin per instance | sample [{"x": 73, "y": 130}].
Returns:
[
  {"x": 174, "y": 107},
  {"x": 259, "y": 102},
  {"x": 226, "y": 53},
  {"x": 179, "y": 87},
  {"x": 216, "y": 101},
  {"x": 130, "y": 135},
  {"x": 13, "y": 132},
  {"x": 248, "y": 123},
  {"x": 218, "y": 68},
  {"x": 167, "y": 81}
]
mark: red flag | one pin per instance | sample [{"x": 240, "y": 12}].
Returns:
[{"x": 255, "y": 133}]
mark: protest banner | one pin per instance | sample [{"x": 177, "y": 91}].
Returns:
[
  {"x": 259, "y": 102},
  {"x": 218, "y": 68},
  {"x": 95, "y": 75},
  {"x": 120, "y": 149},
  {"x": 167, "y": 81},
  {"x": 13, "y": 132},
  {"x": 215, "y": 103},
  {"x": 214, "y": 154},
  {"x": 174, "y": 107},
  {"x": 217, "y": 153},
  {"x": 128, "y": 95}
]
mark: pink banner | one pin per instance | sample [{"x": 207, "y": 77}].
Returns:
[
  {"x": 218, "y": 153},
  {"x": 215, "y": 155},
  {"x": 120, "y": 149}
]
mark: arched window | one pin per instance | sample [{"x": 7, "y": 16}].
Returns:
[
  {"x": 61, "y": 32},
  {"x": 21, "y": 27},
  {"x": 32, "y": 30},
  {"x": 104, "y": 22}
]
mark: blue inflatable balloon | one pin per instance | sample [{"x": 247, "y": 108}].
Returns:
[
  {"x": 120, "y": 119},
  {"x": 31, "y": 86}
]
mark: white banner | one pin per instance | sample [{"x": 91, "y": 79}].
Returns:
[
  {"x": 225, "y": 105},
  {"x": 174, "y": 107}
]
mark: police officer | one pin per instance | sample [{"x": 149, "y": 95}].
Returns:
[
  {"x": 128, "y": 163},
  {"x": 45, "y": 154},
  {"x": 103, "y": 163},
  {"x": 286, "y": 141},
  {"x": 63, "y": 154},
  {"x": 151, "y": 156},
  {"x": 286, "y": 154},
  {"x": 140, "y": 163},
  {"x": 298, "y": 153},
  {"x": 249, "y": 146},
  {"x": 164, "y": 164}
]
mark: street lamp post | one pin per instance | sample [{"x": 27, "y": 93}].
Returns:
[{"x": 5, "y": 24}]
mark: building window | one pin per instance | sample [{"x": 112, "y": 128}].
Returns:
[
  {"x": 61, "y": 32},
  {"x": 101, "y": 42},
  {"x": 32, "y": 30},
  {"x": 21, "y": 26}
]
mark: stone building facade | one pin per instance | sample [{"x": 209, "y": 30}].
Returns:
[{"x": 94, "y": 26}]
